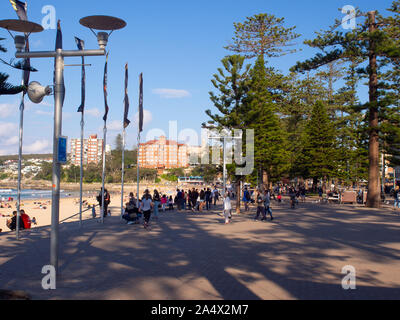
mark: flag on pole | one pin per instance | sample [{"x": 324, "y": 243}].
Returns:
[
  {"x": 21, "y": 9},
  {"x": 126, "y": 99},
  {"x": 141, "y": 102},
  {"x": 105, "y": 89},
  {"x": 59, "y": 36},
  {"x": 59, "y": 45},
  {"x": 81, "y": 46}
]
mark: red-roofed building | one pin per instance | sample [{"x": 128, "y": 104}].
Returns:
[{"x": 163, "y": 154}]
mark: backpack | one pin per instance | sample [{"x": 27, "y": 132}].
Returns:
[
  {"x": 247, "y": 195},
  {"x": 26, "y": 220}
]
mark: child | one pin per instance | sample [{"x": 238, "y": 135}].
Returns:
[
  {"x": 170, "y": 204},
  {"x": 227, "y": 208},
  {"x": 164, "y": 201}
]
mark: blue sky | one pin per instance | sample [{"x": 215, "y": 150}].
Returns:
[{"x": 177, "y": 45}]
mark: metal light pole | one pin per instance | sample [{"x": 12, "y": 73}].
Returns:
[
  {"x": 59, "y": 92},
  {"x": 81, "y": 169},
  {"x": 94, "y": 22},
  {"x": 123, "y": 172}
]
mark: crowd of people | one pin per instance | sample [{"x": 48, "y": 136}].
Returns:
[{"x": 194, "y": 200}]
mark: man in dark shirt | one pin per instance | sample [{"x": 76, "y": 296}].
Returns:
[
  {"x": 195, "y": 195},
  {"x": 208, "y": 199},
  {"x": 12, "y": 223}
]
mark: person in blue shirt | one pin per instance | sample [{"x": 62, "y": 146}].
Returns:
[{"x": 246, "y": 199}]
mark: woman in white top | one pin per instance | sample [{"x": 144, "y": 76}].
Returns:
[
  {"x": 145, "y": 207},
  {"x": 227, "y": 207}
]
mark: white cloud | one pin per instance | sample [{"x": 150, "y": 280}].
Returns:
[
  {"x": 147, "y": 117},
  {"x": 7, "y": 129},
  {"x": 7, "y": 109},
  {"x": 37, "y": 147},
  {"x": 29, "y": 105},
  {"x": 11, "y": 141},
  {"x": 114, "y": 125},
  {"x": 93, "y": 112},
  {"x": 43, "y": 113},
  {"x": 172, "y": 93}
]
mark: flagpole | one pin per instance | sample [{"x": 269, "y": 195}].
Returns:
[
  {"x": 81, "y": 172},
  {"x": 137, "y": 166},
  {"x": 140, "y": 129},
  {"x": 21, "y": 10},
  {"x": 125, "y": 124},
  {"x": 104, "y": 170},
  {"x": 21, "y": 131},
  {"x": 123, "y": 172}
]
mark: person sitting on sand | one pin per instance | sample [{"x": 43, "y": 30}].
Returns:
[
  {"x": 131, "y": 213},
  {"x": 26, "y": 219},
  {"x": 12, "y": 223}
]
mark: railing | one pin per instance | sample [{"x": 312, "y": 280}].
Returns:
[{"x": 77, "y": 214}]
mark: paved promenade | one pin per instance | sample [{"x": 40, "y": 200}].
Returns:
[{"x": 300, "y": 255}]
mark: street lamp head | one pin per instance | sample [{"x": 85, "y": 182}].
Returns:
[
  {"x": 105, "y": 23},
  {"x": 19, "y": 43},
  {"x": 20, "y": 26},
  {"x": 102, "y": 39}
]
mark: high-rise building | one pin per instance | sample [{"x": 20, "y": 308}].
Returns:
[
  {"x": 163, "y": 154},
  {"x": 92, "y": 150}
]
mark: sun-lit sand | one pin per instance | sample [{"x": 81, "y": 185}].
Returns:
[{"x": 41, "y": 210}]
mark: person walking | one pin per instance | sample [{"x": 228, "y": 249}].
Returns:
[
  {"x": 227, "y": 208},
  {"x": 194, "y": 196},
  {"x": 164, "y": 201},
  {"x": 156, "y": 202},
  {"x": 396, "y": 196},
  {"x": 184, "y": 197},
  {"x": 178, "y": 199},
  {"x": 189, "y": 199},
  {"x": 215, "y": 195},
  {"x": 202, "y": 199},
  {"x": 107, "y": 200},
  {"x": 320, "y": 193},
  {"x": 145, "y": 208},
  {"x": 303, "y": 194},
  {"x": 267, "y": 204},
  {"x": 260, "y": 206},
  {"x": 246, "y": 199},
  {"x": 292, "y": 195},
  {"x": 208, "y": 198}
]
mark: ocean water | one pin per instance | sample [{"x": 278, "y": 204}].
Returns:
[{"x": 30, "y": 194}]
